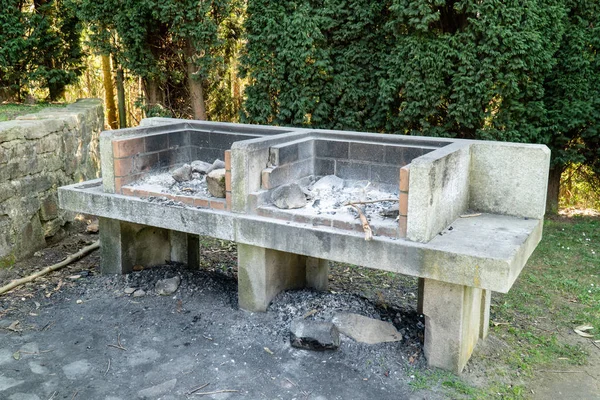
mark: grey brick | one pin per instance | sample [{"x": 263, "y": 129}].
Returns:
[
  {"x": 179, "y": 139},
  {"x": 199, "y": 138},
  {"x": 222, "y": 141},
  {"x": 352, "y": 170},
  {"x": 156, "y": 142},
  {"x": 388, "y": 174},
  {"x": 331, "y": 149},
  {"x": 209, "y": 154},
  {"x": 324, "y": 167},
  {"x": 367, "y": 152}
]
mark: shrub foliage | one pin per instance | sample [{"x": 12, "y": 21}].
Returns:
[{"x": 526, "y": 71}]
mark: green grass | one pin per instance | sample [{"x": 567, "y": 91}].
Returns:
[
  {"x": 10, "y": 111},
  {"x": 558, "y": 289}
]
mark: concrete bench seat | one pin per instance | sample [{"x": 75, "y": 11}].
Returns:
[{"x": 458, "y": 259}]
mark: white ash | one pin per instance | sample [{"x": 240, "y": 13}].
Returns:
[
  {"x": 329, "y": 196},
  {"x": 163, "y": 182}
]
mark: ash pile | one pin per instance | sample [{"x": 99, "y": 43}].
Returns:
[
  {"x": 335, "y": 196},
  {"x": 198, "y": 178}
]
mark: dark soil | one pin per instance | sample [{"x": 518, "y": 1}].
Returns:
[{"x": 76, "y": 334}]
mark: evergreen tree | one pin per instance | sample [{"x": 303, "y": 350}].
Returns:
[
  {"x": 39, "y": 46},
  {"x": 525, "y": 71}
]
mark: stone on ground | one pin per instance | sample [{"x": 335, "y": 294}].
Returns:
[
  {"x": 288, "y": 196},
  {"x": 366, "y": 330},
  {"x": 166, "y": 287},
  {"x": 129, "y": 290},
  {"x": 215, "y": 182},
  {"x": 329, "y": 182},
  {"x": 139, "y": 293},
  {"x": 201, "y": 167},
  {"x": 314, "y": 335},
  {"x": 183, "y": 173}
]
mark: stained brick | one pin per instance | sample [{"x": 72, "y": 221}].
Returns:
[
  {"x": 217, "y": 205},
  {"x": 201, "y": 203},
  {"x": 404, "y": 178},
  {"x": 128, "y": 147},
  {"x": 123, "y": 166}
]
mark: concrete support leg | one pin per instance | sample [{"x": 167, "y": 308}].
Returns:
[
  {"x": 111, "y": 249},
  {"x": 193, "y": 251},
  {"x": 262, "y": 273},
  {"x": 421, "y": 287},
  {"x": 453, "y": 320},
  {"x": 124, "y": 245},
  {"x": 317, "y": 273},
  {"x": 179, "y": 246},
  {"x": 486, "y": 302}
]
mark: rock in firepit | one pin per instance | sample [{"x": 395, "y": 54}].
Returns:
[
  {"x": 201, "y": 167},
  {"x": 391, "y": 212},
  {"x": 288, "y": 196},
  {"x": 183, "y": 173},
  {"x": 314, "y": 335},
  {"x": 166, "y": 287},
  {"x": 218, "y": 164},
  {"x": 329, "y": 182},
  {"x": 215, "y": 182}
]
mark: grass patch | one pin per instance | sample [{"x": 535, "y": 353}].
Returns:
[
  {"x": 558, "y": 290},
  {"x": 10, "y": 111}
]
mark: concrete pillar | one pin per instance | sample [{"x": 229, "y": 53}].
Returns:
[
  {"x": 317, "y": 273},
  {"x": 420, "y": 288},
  {"x": 193, "y": 251},
  {"x": 125, "y": 244},
  {"x": 453, "y": 318},
  {"x": 262, "y": 273},
  {"x": 179, "y": 246},
  {"x": 111, "y": 249},
  {"x": 486, "y": 302}
]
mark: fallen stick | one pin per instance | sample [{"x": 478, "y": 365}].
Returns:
[
  {"x": 216, "y": 392},
  {"x": 198, "y": 388},
  {"x": 73, "y": 257},
  {"x": 351, "y": 203},
  {"x": 365, "y": 223}
]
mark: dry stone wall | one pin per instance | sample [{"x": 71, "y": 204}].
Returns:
[{"x": 38, "y": 153}]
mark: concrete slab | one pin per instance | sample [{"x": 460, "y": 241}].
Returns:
[{"x": 487, "y": 251}]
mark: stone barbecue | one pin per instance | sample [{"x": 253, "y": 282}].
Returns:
[{"x": 463, "y": 216}]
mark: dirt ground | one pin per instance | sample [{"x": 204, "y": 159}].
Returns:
[{"x": 77, "y": 334}]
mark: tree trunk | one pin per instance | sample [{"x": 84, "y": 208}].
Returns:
[
  {"x": 195, "y": 86},
  {"x": 553, "y": 189},
  {"x": 57, "y": 91},
  {"x": 151, "y": 91},
  {"x": 109, "y": 93},
  {"x": 121, "y": 98}
]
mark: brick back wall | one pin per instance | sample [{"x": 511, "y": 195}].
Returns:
[
  {"x": 364, "y": 161},
  {"x": 209, "y": 146},
  {"x": 289, "y": 163},
  {"x": 136, "y": 157}
]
